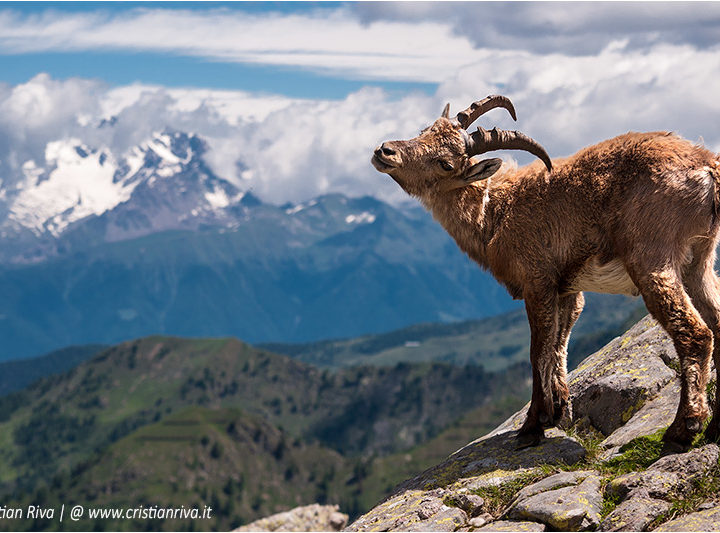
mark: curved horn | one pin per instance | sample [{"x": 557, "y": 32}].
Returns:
[
  {"x": 470, "y": 115},
  {"x": 482, "y": 141}
]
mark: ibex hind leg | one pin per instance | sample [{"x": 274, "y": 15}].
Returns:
[
  {"x": 703, "y": 287},
  {"x": 667, "y": 300}
]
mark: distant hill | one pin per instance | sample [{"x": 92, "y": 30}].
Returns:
[
  {"x": 18, "y": 374},
  {"x": 177, "y": 420},
  {"x": 494, "y": 343}
]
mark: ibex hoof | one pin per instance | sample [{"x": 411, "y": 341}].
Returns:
[
  {"x": 544, "y": 419},
  {"x": 526, "y": 440},
  {"x": 693, "y": 424}
]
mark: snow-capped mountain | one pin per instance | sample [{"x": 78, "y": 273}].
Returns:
[
  {"x": 161, "y": 184},
  {"x": 97, "y": 246}
]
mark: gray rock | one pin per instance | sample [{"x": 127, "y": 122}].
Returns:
[
  {"x": 669, "y": 475},
  {"x": 490, "y": 461},
  {"x": 655, "y": 414},
  {"x": 575, "y": 508},
  {"x": 654, "y": 484},
  {"x": 690, "y": 465},
  {"x": 447, "y": 519},
  {"x": 313, "y": 517},
  {"x": 708, "y": 520},
  {"x": 707, "y": 505},
  {"x": 470, "y": 503},
  {"x": 428, "y": 507},
  {"x": 610, "y": 386},
  {"x": 480, "y": 521},
  {"x": 561, "y": 479},
  {"x": 512, "y": 525},
  {"x": 497, "y": 454},
  {"x": 634, "y": 514}
]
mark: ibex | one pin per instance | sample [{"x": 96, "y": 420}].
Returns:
[{"x": 637, "y": 214}]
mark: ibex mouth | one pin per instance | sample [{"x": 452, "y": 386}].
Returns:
[{"x": 380, "y": 164}]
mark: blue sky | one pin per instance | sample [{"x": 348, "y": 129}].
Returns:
[
  {"x": 176, "y": 69},
  {"x": 292, "y": 97}
]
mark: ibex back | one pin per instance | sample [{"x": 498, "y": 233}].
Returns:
[{"x": 637, "y": 214}]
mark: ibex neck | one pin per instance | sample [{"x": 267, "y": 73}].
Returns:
[{"x": 466, "y": 214}]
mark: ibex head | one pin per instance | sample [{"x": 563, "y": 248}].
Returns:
[{"x": 441, "y": 157}]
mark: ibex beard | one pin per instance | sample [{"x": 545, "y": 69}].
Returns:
[{"x": 637, "y": 214}]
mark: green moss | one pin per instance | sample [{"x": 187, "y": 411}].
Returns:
[
  {"x": 703, "y": 490},
  {"x": 610, "y": 501},
  {"x": 636, "y": 455},
  {"x": 711, "y": 391},
  {"x": 450, "y": 501},
  {"x": 497, "y": 498},
  {"x": 591, "y": 440},
  {"x": 674, "y": 364}
]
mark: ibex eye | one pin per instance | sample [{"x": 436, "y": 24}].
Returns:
[{"x": 446, "y": 166}]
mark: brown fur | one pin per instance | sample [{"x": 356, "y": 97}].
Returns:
[{"x": 638, "y": 211}]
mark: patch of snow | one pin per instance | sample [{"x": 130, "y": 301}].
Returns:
[
  {"x": 135, "y": 160},
  {"x": 161, "y": 146},
  {"x": 363, "y": 218},
  {"x": 300, "y": 207},
  {"x": 78, "y": 186}
]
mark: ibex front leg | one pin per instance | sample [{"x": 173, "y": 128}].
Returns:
[
  {"x": 542, "y": 311},
  {"x": 569, "y": 308}
]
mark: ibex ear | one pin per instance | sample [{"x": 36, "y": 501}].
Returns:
[
  {"x": 446, "y": 111},
  {"x": 481, "y": 170}
]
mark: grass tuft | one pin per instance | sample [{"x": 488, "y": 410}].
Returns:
[
  {"x": 636, "y": 455},
  {"x": 497, "y": 498},
  {"x": 705, "y": 489}
]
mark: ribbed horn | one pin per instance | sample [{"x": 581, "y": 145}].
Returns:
[
  {"x": 482, "y": 141},
  {"x": 471, "y": 114}
]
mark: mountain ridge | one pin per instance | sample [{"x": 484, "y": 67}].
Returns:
[
  {"x": 336, "y": 266},
  {"x": 150, "y": 420}
]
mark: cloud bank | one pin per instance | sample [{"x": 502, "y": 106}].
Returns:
[{"x": 287, "y": 149}]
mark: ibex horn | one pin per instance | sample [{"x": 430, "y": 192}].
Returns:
[
  {"x": 482, "y": 141},
  {"x": 471, "y": 114}
]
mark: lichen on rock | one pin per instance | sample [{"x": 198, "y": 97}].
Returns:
[
  {"x": 573, "y": 508},
  {"x": 313, "y": 517},
  {"x": 708, "y": 520}
]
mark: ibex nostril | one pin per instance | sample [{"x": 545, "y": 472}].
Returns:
[{"x": 387, "y": 151}]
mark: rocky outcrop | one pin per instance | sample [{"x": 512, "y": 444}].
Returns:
[
  {"x": 707, "y": 520},
  {"x": 308, "y": 518},
  {"x": 673, "y": 474},
  {"x": 577, "y": 479},
  {"x": 572, "y": 508}
]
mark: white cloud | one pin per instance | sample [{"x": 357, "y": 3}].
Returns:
[
  {"x": 574, "y": 28},
  {"x": 288, "y": 149},
  {"x": 334, "y": 42}
]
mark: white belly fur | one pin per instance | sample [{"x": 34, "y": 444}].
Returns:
[{"x": 611, "y": 278}]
